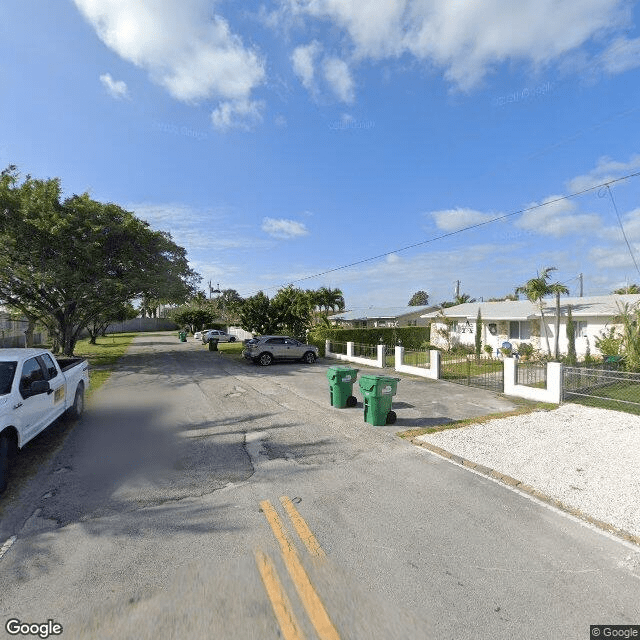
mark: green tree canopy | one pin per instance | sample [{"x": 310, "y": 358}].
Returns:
[
  {"x": 68, "y": 262},
  {"x": 631, "y": 288},
  {"x": 419, "y": 298}
]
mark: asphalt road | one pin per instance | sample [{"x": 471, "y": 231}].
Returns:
[{"x": 204, "y": 497}]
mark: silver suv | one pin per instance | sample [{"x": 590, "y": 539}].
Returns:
[
  {"x": 266, "y": 349},
  {"x": 216, "y": 334}
]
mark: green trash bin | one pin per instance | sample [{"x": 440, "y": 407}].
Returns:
[
  {"x": 378, "y": 392},
  {"x": 182, "y": 336},
  {"x": 213, "y": 344},
  {"x": 341, "y": 381}
]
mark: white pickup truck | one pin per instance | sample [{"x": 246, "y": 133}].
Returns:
[{"x": 36, "y": 388}]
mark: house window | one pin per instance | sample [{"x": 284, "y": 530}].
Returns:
[
  {"x": 519, "y": 330},
  {"x": 581, "y": 328}
]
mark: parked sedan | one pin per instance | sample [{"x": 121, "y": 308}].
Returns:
[
  {"x": 266, "y": 349},
  {"x": 218, "y": 335}
]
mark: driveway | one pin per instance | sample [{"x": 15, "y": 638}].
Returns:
[{"x": 202, "y": 497}]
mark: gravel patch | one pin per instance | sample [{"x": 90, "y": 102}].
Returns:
[{"x": 587, "y": 458}]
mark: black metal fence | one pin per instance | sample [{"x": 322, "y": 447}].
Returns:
[
  {"x": 482, "y": 371},
  {"x": 338, "y": 347},
  {"x": 417, "y": 358},
  {"x": 602, "y": 387},
  {"x": 365, "y": 351},
  {"x": 531, "y": 374}
]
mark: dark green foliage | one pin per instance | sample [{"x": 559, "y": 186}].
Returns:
[
  {"x": 478, "y": 336},
  {"x": 571, "y": 338},
  {"x": 419, "y": 298},
  {"x": 410, "y": 337},
  {"x": 67, "y": 263}
]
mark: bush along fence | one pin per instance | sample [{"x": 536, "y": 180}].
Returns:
[{"x": 550, "y": 390}]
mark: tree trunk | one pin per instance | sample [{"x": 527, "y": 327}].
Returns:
[
  {"x": 544, "y": 330},
  {"x": 556, "y": 342}
]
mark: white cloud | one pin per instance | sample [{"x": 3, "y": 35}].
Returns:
[
  {"x": 281, "y": 228},
  {"x": 467, "y": 39},
  {"x": 558, "y": 218},
  {"x": 185, "y": 48},
  {"x": 242, "y": 114},
  {"x": 605, "y": 171},
  {"x": 303, "y": 59},
  {"x": 338, "y": 75},
  {"x": 116, "y": 88},
  {"x": 456, "y": 219},
  {"x": 622, "y": 55}
]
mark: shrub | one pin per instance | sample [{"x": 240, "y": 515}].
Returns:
[
  {"x": 525, "y": 350},
  {"x": 409, "y": 337},
  {"x": 488, "y": 349}
]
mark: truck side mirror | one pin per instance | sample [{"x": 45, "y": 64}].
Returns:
[{"x": 39, "y": 386}]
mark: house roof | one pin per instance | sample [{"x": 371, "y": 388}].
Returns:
[
  {"x": 603, "y": 306},
  {"x": 368, "y": 313}
]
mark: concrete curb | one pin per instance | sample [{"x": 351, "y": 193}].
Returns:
[{"x": 520, "y": 486}]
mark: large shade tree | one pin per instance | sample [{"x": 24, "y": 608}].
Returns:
[{"x": 67, "y": 262}]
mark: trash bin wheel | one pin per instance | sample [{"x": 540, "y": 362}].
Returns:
[
  {"x": 352, "y": 401},
  {"x": 391, "y": 417}
]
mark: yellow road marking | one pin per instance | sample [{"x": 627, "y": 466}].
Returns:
[
  {"x": 310, "y": 599},
  {"x": 302, "y": 528},
  {"x": 279, "y": 600}
]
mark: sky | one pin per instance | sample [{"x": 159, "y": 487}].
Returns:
[{"x": 280, "y": 142}]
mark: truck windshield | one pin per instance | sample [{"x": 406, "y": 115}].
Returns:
[{"x": 7, "y": 371}]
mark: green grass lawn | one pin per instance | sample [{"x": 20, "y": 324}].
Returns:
[
  {"x": 102, "y": 356},
  {"x": 615, "y": 396}
]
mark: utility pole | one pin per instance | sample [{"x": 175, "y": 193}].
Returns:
[
  {"x": 457, "y": 289},
  {"x": 581, "y": 283}
]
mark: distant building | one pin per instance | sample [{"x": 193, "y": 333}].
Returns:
[
  {"x": 375, "y": 317},
  {"x": 517, "y": 321}
]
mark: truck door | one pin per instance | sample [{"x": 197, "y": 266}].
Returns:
[
  {"x": 58, "y": 386},
  {"x": 32, "y": 412}
]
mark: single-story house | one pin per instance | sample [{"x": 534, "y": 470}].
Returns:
[
  {"x": 374, "y": 317},
  {"x": 517, "y": 321}
]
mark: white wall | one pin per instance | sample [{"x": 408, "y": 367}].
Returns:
[{"x": 594, "y": 326}]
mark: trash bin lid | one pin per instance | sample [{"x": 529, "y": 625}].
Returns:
[{"x": 341, "y": 371}]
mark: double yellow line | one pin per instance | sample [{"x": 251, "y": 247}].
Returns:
[{"x": 277, "y": 595}]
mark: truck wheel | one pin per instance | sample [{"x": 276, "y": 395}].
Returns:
[
  {"x": 7, "y": 447},
  {"x": 77, "y": 407},
  {"x": 232, "y": 339}
]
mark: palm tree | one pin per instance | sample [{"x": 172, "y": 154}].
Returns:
[
  {"x": 557, "y": 288},
  {"x": 535, "y": 290}
]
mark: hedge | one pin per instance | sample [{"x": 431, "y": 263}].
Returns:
[{"x": 410, "y": 337}]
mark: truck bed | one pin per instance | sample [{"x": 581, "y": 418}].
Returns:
[{"x": 67, "y": 363}]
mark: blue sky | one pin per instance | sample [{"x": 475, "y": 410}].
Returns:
[{"x": 284, "y": 139}]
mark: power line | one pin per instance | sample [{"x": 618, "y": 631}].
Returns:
[
  {"x": 624, "y": 235},
  {"x": 468, "y": 228}
]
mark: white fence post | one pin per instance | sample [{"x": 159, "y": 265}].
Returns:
[
  {"x": 380, "y": 363},
  {"x": 399, "y": 357},
  {"x": 554, "y": 381},
  {"x": 510, "y": 376},
  {"x": 327, "y": 347},
  {"x": 434, "y": 363},
  {"x": 349, "y": 349}
]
